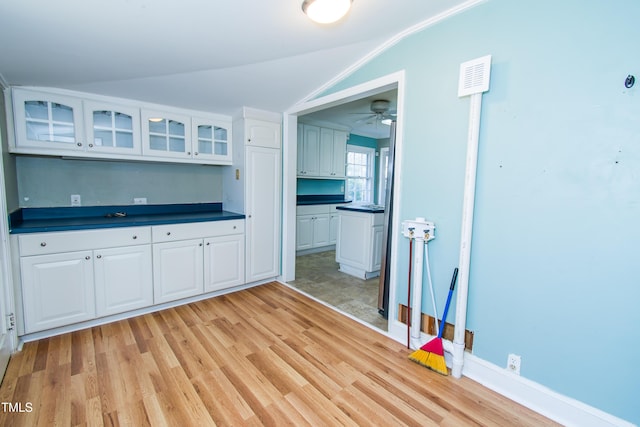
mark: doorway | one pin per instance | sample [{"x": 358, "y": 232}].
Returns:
[{"x": 319, "y": 269}]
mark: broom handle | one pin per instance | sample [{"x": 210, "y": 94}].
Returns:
[{"x": 446, "y": 307}]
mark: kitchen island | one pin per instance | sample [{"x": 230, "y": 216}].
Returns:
[{"x": 359, "y": 244}]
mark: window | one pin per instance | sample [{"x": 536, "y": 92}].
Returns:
[{"x": 360, "y": 173}]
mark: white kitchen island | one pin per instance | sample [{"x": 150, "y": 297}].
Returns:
[{"x": 359, "y": 243}]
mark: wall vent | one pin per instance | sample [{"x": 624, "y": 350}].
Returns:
[{"x": 474, "y": 76}]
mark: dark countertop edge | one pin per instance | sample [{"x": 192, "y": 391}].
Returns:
[
  {"x": 173, "y": 214},
  {"x": 100, "y": 211},
  {"x": 321, "y": 199},
  {"x": 359, "y": 209}
]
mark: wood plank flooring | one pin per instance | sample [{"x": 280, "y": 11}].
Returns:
[{"x": 263, "y": 356}]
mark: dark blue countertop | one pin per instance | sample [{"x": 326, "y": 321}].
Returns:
[
  {"x": 36, "y": 220},
  {"x": 362, "y": 208},
  {"x": 321, "y": 199}
]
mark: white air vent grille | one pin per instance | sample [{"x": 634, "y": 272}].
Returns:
[{"x": 474, "y": 76}]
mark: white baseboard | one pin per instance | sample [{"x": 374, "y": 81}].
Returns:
[
  {"x": 560, "y": 408},
  {"x": 538, "y": 398}
]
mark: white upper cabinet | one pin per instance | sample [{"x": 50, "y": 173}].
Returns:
[
  {"x": 211, "y": 140},
  {"x": 321, "y": 152},
  {"x": 112, "y": 128},
  {"x": 47, "y": 121},
  {"x": 57, "y": 122},
  {"x": 166, "y": 134}
]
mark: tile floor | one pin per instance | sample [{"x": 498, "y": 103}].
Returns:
[{"x": 317, "y": 274}]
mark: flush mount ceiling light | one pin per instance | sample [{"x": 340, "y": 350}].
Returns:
[{"x": 326, "y": 11}]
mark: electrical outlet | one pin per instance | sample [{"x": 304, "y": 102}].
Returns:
[
  {"x": 76, "y": 200},
  {"x": 513, "y": 363},
  {"x": 140, "y": 201}
]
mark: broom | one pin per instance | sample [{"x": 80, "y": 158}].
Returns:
[{"x": 431, "y": 354}]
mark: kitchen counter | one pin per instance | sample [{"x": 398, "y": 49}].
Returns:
[
  {"x": 321, "y": 199},
  {"x": 36, "y": 220},
  {"x": 368, "y": 208}
]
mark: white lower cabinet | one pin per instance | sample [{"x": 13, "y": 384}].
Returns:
[
  {"x": 359, "y": 247},
  {"x": 189, "y": 259},
  {"x": 75, "y": 276},
  {"x": 122, "y": 279},
  {"x": 223, "y": 262},
  {"x": 177, "y": 270},
  {"x": 57, "y": 289},
  {"x": 316, "y": 226}
]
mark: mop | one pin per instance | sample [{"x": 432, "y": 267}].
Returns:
[{"x": 431, "y": 354}]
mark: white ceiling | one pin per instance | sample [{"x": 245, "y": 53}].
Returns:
[{"x": 209, "y": 55}]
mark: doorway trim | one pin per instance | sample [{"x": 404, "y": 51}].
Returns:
[{"x": 289, "y": 161}]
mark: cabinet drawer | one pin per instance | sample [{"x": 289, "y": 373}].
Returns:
[
  {"x": 196, "y": 230},
  {"x": 70, "y": 241}
]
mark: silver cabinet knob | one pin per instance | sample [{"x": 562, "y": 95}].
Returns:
[
  {"x": 43, "y": 244},
  {"x": 168, "y": 233},
  {"x": 79, "y": 144},
  {"x": 135, "y": 237},
  {"x": 98, "y": 256},
  {"x": 87, "y": 257}
]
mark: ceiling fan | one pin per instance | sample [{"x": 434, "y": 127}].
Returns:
[{"x": 379, "y": 113}]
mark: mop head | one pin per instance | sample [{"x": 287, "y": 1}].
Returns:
[{"x": 431, "y": 355}]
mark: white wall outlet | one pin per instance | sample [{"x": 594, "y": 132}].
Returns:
[
  {"x": 513, "y": 363},
  {"x": 140, "y": 201},
  {"x": 76, "y": 200}
]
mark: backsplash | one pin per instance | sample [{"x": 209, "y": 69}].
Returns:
[
  {"x": 319, "y": 186},
  {"x": 50, "y": 182}
]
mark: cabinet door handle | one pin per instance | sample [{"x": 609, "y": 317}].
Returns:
[
  {"x": 196, "y": 153},
  {"x": 79, "y": 144},
  {"x": 90, "y": 145},
  {"x": 87, "y": 257},
  {"x": 97, "y": 256},
  {"x": 43, "y": 244},
  {"x": 188, "y": 153},
  {"x": 135, "y": 237},
  {"x": 208, "y": 243},
  {"x": 168, "y": 233},
  {"x": 200, "y": 244}
]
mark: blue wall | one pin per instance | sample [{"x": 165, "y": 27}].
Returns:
[{"x": 555, "y": 272}]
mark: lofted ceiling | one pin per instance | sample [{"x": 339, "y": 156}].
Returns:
[{"x": 209, "y": 55}]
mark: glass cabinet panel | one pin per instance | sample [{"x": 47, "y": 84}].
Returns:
[
  {"x": 167, "y": 135},
  {"x": 212, "y": 139},
  {"x": 112, "y": 129},
  {"x": 49, "y": 121}
]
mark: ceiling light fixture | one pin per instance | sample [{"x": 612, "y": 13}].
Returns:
[{"x": 326, "y": 11}]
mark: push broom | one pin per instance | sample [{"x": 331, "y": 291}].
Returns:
[{"x": 431, "y": 354}]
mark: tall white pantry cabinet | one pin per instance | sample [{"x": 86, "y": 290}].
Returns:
[{"x": 253, "y": 187}]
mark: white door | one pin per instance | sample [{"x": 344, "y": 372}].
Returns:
[
  {"x": 223, "y": 262},
  {"x": 177, "y": 270},
  {"x": 263, "y": 213},
  {"x": 304, "y": 232},
  {"x": 123, "y": 279},
  {"x": 321, "y": 230},
  {"x": 57, "y": 289}
]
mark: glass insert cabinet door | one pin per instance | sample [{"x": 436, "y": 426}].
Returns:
[
  {"x": 112, "y": 129},
  {"x": 212, "y": 139},
  {"x": 166, "y": 135},
  {"x": 47, "y": 121}
]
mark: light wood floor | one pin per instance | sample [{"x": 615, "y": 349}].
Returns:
[{"x": 263, "y": 356}]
